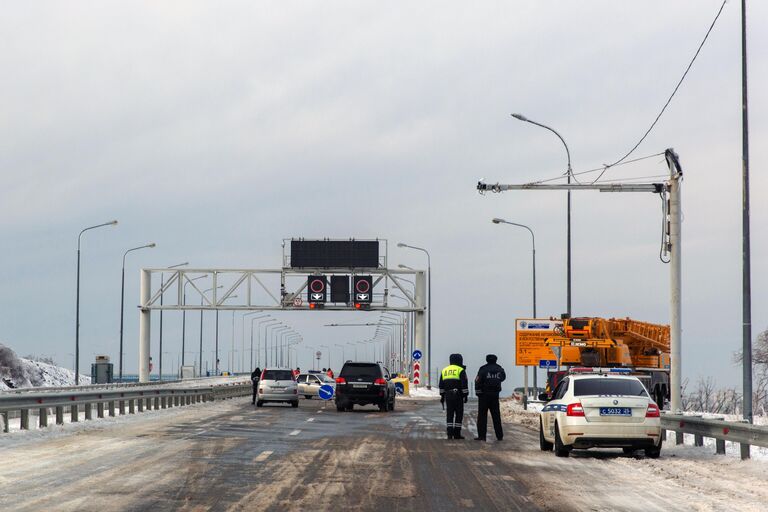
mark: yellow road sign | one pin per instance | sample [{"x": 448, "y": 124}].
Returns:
[{"x": 530, "y": 336}]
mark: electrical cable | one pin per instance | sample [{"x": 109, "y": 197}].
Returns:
[
  {"x": 662, "y": 249},
  {"x": 596, "y": 169},
  {"x": 698, "y": 50}
]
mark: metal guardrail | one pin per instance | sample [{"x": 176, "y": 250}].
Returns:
[
  {"x": 136, "y": 398},
  {"x": 746, "y": 434}
]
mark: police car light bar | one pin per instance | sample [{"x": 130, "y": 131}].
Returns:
[{"x": 589, "y": 369}]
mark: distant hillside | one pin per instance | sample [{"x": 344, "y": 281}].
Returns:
[{"x": 17, "y": 372}]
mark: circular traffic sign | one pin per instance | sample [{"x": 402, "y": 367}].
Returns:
[
  {"x": 399, "y": 388},
  {"x": 417, "y": 354},
  {"x": 325, "y": 392},
  {"x": 318, "y": 354},
  {"x": 317, "y": 285},
  {"x": 297, "y": 301},
  {"x": 362, "y": 286}
]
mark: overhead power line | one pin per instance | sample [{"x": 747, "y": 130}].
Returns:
[{"x": 661, "y": 112}]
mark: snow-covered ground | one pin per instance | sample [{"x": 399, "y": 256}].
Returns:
[
  {"x": 423, "y": 392},
  {"x": 17, "y": 372}
]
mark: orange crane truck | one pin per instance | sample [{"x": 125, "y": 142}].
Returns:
[{"x": 639, "y": 347}]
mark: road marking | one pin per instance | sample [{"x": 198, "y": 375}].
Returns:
[
  {"x": 310, "y": 419},
  {"x": 483, "y": 463},
  {"x": 467, "y": 503},
  {"x": 263, "y": 456},
  {"x": 295, "y": 433}
]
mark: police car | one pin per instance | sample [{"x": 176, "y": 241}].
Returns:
[{"x": 606, "y": 408}]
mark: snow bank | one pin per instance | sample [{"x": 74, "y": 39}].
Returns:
[
  {"x": 17, "y": 372},
  {"x": 423, "y": 393}
]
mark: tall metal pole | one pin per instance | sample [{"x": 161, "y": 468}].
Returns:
[
  {"x": 570, "y": 173},
  {"x": 122, "y": 304},
  {"x": 77, "y": 300},
  {"x": 144, "y": 325},
  {"x": 746, "y": 269},
  {"x": 160, "y": 363},
  {"x": 675, "y": 282}
]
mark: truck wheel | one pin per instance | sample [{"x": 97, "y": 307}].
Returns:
[
  {"x": 560, "y": 449},
  {"x": 545, "y": 445}
]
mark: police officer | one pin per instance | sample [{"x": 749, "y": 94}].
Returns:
[
  {"x": 255, "y": 376},
  {"x": 454, "y": 391},
  {"x": 487, "y": 386}
]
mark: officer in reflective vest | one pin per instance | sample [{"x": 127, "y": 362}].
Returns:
[{"x": 454, "y": 391}]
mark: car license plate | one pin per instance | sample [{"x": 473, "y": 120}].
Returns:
[
  {"x": 362, "y": 386},
  {"x": 615, "y": 411}
]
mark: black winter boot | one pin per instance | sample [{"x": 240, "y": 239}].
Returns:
[
  {"x": 457, "y": 433},
  {"x": 450, "y": 432}
]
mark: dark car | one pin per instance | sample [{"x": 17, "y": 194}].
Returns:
[{"x": 363, "y": 384}]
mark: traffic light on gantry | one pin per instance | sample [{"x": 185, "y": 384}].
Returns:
[
  {"x": 362, "y": 287},
  {"x": 317, "y": 291}
]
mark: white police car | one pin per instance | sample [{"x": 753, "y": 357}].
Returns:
[{"x": 600, "y": 408}]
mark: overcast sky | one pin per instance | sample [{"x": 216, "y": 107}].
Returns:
[{"x": 218, "y": 129}]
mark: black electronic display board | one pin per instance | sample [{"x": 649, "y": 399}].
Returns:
[{"x": 334, "y": 254}]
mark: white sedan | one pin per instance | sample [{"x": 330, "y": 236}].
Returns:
[
  {"x": 597, "y": 409},
  {"x": 309, "y": 383}
]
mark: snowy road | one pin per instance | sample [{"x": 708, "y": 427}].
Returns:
[{"x": 232, "y": 456}]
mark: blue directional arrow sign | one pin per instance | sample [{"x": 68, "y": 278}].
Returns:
[
  {"x": 547, "y": 363},
  {"x": 325, "y": 392},
  {"x": 417, "y": 354},
  {"x": 399, "y": 388}
]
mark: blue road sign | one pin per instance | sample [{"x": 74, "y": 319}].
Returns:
[
  {"x": 399, "y": 388},
  {"x": 547, "y": 363},
  {"x": 417, "y": 354},
  {"x": 325, "y": 392}
]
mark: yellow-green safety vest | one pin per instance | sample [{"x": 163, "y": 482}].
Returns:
[{"x": 452, "y": 371}]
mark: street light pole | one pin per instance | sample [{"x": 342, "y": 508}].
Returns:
[
  {"x": 570, "y": 174},
  {"x": 184, "y": 316},
  {"x": 122, "y": 304},
  {"x": 533, "y": 243},
  {"x": 162, "y": 282},
  {"x": 77, "y": 300},
  {"x": 429, "y": 311},
  {"x": 200, "y": 371}
]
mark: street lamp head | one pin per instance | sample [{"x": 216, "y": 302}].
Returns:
[
  {"x": 520, "y": 117},
  {"x": 153, "y": 244},
  {"x": 497, "y": 220},
  {"x": 112, "y": 223},
  {"x": 401, "y": 244}
]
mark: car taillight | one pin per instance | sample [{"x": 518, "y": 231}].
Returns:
[
  {"x": 574, "y": 410},
  {"x": 380, "y": 382},
  {"x": 653, "y": 411},
  {"x": 341, "y": 380}
]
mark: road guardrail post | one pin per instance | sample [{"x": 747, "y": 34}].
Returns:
[
  {"x": 679, "y": 439},
  {"x": 100, "y": 409},
  {"x": 4, "y": 417},
  {"x": 112, "y": 408},
  {"x": 131, "y": 406},
  {"x": 43, "y": 417},
  {"x": 157, "y": 403},
  {"x": 25, "y": 419},
  {"x": 141, "y": 404},
  {"x": 73, "y": 413},
  {"x": 121, "y": 407},
  {"x": 60, "y": 415},
  {"x": 88, "y": 411}
]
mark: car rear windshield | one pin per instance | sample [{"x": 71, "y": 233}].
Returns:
[
  {"x": 278, "y": 375},
  {"x": 602, "y": 386},
  {"x": 360, "y": 370}
]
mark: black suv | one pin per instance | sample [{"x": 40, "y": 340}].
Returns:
[{"x": 363, "y": 384}]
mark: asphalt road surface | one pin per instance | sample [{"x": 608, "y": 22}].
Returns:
[{"x": 233, "y": 456}]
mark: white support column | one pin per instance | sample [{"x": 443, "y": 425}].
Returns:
[
  {"x": 675, "y": 218},
  {"x": 420, "y": 323},
  {"x": 144, "y": 322}
]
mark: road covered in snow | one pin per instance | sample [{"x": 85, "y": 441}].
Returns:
[{"x": 229, "y": 455}]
